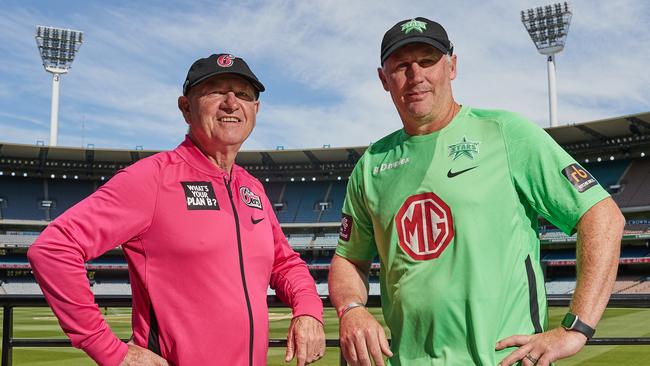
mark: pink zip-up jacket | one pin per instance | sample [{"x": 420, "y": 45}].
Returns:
[{"x": 202, "y": 248}]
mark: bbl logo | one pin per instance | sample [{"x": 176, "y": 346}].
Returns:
[
  {"x": 424, "y": 226},
  {"x": 250, "y": 199},
  {"x": 346, "y": 227},
  {"x": 225, "y": 60}
]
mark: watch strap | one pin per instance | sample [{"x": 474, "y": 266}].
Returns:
[{"x": 572, "y": 322}]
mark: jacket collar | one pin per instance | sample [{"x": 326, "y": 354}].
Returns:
[{"x": 193, "y": 156}]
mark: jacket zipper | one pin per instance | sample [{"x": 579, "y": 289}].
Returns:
[{"x": 243, "y": 276}]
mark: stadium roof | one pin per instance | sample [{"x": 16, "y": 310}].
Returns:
[
  {"x": 631, "y": 131},
  {"x": 620, "y": 134}
]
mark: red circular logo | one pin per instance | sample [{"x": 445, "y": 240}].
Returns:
[
  {"x": 424, "y": 226},
  {"x": 225, "y": 60}
]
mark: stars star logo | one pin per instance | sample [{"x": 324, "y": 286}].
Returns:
[
  {"x": 414, "y": 25},
  {"x": 463, "y": 148}
]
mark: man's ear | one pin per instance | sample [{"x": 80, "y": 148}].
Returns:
[
  {"x": 184, "y": 107},
  {"x": 382, "y": 77},
  {"x": 452, "y": 67}
]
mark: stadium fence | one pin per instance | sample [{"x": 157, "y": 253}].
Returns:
[{"x": 9, "y": 302}]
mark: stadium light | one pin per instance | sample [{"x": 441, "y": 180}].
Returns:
[
  {"x": 548, "y": 27},
  {"x": 57, "y": 47}
]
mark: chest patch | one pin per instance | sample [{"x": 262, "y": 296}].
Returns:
[
  {"x": 424, "y": 226},
  {"x": 250, "y": 199},
  {"x": 200, "y": 196}
]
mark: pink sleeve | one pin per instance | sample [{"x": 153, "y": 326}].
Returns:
[
  {"x": 290, "y": 277},
  {"x": 118, "y": 212}
]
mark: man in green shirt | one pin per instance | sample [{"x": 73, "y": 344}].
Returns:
[{"x": 449, "y": 204}]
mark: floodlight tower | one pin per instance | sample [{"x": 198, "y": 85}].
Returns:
[
  {"x": 548, "y": 27},
  {"x": 58, "y": 47}
]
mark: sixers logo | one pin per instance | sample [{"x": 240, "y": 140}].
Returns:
[
  {"x": 225, "y": 60},
  {"x": 424, "y": 226},
  {"x": 250, "y": 199}
]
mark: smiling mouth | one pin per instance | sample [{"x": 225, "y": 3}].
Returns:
[{"x": 229, "y": 120}]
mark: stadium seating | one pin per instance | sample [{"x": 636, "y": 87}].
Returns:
[
  {"x": 67, "y": 194},
  {"x": 608, "y": 173},
  {"x": 559, "y": 287},
  {"x": 326, "y": 241},
  {"x": 300, "y": 241},
  {"x": 635, "y": 184},
  {"x": 21, "y": 287},
  {"x": 16, "y": 240},
  {"x": 111, "y": 288},
  {"x": 336, "y": 197},
  {"x": 22, "y": 198}
]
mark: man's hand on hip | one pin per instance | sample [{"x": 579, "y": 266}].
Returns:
[
  {"x": 543, "y": 348},
  {"x": 362, "y": 338},
  {"x": 139, "y": 356},
  {"x": 305, "y": 341}
]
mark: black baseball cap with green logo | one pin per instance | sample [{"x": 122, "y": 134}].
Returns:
[
  {"x": 222, "y": 63},
  {"x": 420, "y": 30}
]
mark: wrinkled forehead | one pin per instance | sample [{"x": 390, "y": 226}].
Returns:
[{"x": 414, "y": 50}]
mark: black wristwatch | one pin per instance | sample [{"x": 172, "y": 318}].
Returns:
[{"x": 572, "y": 322}]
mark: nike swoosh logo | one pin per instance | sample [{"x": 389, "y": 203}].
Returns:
[
  {"x": 256, "y": 221},
  {"x": 451, "y": 174}
]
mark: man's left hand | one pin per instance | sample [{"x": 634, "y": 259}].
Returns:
[
  {"x": 305, "y": 341},
  {"x": 543, "y": 348}
]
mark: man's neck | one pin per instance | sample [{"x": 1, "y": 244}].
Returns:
[
  {"x": 434, "y": 125},
  {"x": 221, "y": 156}
]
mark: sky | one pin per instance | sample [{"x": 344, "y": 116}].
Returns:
[{"x": 317, "y": 59}]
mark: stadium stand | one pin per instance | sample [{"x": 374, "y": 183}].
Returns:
[
  {"x": 111, "y": 288},
  {"x": 307, "y": 188},
  {"x": 21, "y": 198},
  {"x": 21, "y": 287},
  {"x": 7, "y": 240},
  {"x": 300, "y": 241},
  {"x": 67, "y": 194},
  {"x": 635, "y": 185},
  {"x": 559, "y": 287},
  {"x": 336, "y": 197},
  {"x": 608, "y": 173},
  {"x": 326, "y": 241},
  {"x": 312, "y": 193},
  {"x": 642, "y": 287}
]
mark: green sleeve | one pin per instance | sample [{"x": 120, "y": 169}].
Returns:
[
  {"x": 356, "y": 240},
  {"x": 546, "y": 176}
]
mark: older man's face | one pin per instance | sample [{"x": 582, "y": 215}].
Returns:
[{"x": 220, "y": 111}]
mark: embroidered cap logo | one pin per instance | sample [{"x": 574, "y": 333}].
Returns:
[
  {"x": 414, "y": 25},
  {"x": 225, "y": 60}
]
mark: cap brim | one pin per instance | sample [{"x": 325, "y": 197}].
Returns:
[
  {"x": 403, "y": 42},
  {"x": 256, "y": 84}
]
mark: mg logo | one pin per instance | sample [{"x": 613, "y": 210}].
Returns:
[{"x": 424, "y": 226}]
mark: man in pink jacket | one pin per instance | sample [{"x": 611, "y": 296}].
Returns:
[{"x": 201, "y": 240}]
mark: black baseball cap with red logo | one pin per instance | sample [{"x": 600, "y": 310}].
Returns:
[
  {"x": 222, "y": 63},
  {"x": 421, "y": 30}
]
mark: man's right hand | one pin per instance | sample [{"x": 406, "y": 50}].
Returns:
[
  {"x": 138, "y": 356},
  {"x": 363, "y": 339}
]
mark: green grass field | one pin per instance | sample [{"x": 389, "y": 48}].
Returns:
[{"x": 617, "y": 322}]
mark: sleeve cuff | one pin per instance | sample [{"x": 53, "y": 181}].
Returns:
[
  {"x": 108, "y": 350},
  {"x": 309, "y": 305}
]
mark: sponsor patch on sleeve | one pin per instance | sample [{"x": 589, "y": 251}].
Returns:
[
  {"x": 579, "y": 177},
  {"x": 346, "y": 227},
  {"x": 200, "y": 196}
]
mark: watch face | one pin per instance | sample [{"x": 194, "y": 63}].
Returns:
[{"x": 569, "y": 320}]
